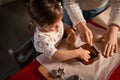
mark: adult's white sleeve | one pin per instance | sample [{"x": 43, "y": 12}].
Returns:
[
  {"x": 115, "y": 13},
  {"x": 73, "y": 9}
]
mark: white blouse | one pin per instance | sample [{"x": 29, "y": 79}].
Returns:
[
  {"x": 75, "y": 7},
  {"x": 45, "y": 41}
]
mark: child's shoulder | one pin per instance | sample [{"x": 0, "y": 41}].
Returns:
[{"x": 41, "y": 35}]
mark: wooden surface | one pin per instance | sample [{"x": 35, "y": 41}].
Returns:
[{"x": 45, "y": 72}]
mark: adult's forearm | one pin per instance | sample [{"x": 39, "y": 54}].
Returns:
[
  {"x": 74, "y": 11},
  {"x": 115, "y": 13}
]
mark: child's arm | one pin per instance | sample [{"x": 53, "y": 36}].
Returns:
[{"x": 61, "y": 55}]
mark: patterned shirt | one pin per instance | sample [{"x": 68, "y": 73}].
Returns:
[{"x": 45, "y": 41}]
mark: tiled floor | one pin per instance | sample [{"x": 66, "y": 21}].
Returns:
[{"x": 13, "y": 22}]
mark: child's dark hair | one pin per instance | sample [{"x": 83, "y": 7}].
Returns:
[{"x": 44, "y": 12}]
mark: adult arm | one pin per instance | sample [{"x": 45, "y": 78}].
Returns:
[
  {"x": 110, "y": 36},
  {"x": 79, "y": 23},
  {"x": 74, "y": 11}
]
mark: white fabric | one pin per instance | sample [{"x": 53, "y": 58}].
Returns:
[
  {"x": 45, "y": 41},
  {"x": 102, "y": 18},
  {"x": 101, "y": 69}
]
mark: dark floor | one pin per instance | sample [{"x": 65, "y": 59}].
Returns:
[{"x": 13, "y": 22}]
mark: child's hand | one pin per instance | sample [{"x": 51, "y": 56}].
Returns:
[{"x": 83, "y": 54}]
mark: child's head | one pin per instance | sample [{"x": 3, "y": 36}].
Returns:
[{"x": 45, "y": 12}]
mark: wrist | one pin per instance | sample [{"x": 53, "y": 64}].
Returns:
[
  {"x": 114, "y": 27},
  {"x": 78, "y": 51},
  {"x": 81, "y": 25},
  {"x": 75, "y": 51}
]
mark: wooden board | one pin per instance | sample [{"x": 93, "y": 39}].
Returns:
[{"x": 45, "y": 72}]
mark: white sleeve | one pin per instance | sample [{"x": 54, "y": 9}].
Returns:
[
  {"x": 44, "y": 45},
  {"x": 74, "y": 11},
  {"x": 115, "y": 13}
]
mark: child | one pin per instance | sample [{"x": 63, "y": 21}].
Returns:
[{"x": 47, "y": 15}]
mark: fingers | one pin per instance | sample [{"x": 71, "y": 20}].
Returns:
[
  {"x": 112, "y": 50},
  {"x": 84, "y": 55},
  {"x": 90, "y": 36},
  {"x": 116, "y": 48},
  {"x": 104, "y": 50},
  {"x": 87, "y": 38},
  {"x": 87, "y": 57},
  {"x": 109, "y": 49},
  {"x": 82, "y": 38}
]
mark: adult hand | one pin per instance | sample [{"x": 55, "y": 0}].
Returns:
[
  {"x": 85, "y": 33},
  {"x": 110, "y": 41}
]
